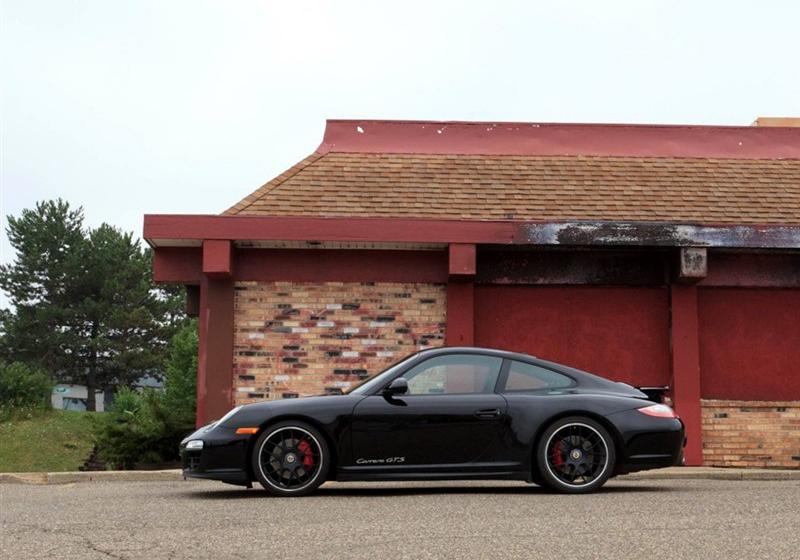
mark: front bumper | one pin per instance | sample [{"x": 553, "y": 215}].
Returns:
[{"x": 223, "y": 456}]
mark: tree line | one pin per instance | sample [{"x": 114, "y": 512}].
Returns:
[{"x": 84, "y": 307}]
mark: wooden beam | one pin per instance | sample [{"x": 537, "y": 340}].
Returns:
[
  {"x": 193, "y": 301},
  {"x": 340, "y": 265},
  {"x": 173, "y": 230},
  {"x": 461, "y": 261},
  {"x": 217, "y": 258},
  {"x": 178, "y": 265},
  {"x": 692, "y": 264}
]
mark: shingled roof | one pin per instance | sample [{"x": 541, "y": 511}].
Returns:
[{"x": 534, "y": 172}]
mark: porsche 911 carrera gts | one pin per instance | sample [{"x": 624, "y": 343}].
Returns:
[{"x": 445, "y": 414}]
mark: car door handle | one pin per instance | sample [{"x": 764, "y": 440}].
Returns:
[{"x": 488, "y": 413}]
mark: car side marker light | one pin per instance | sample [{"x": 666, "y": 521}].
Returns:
[{"x": 246, "y": 431}]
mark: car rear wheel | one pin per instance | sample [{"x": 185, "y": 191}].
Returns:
[
  {"x": 290, "y": 459},
  {"x": 575, "y": 455}
]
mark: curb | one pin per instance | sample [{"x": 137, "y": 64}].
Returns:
[
  {"x": 90, "y": 476},
  {"x": 714, "y": 473},
  {"x": 173, "y": 475}
]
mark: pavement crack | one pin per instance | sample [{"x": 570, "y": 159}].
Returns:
[{"x": 87, "y": 542}]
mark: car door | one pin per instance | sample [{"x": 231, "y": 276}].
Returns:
[{"x": 450, "y": 416}]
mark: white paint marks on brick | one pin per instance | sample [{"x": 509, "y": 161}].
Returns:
[
  {"x": 281, "y": 378},
  {"x": 333, "y": 306},
  {"x": 325, "y": 323},
  {"x": 342, "y": 384},
  {"x": 253, "y": 335},
  {"x": 378, "y": 324},
  {"x": 299, "y": 330},
  {"x": 385, "y": 354},
  {"x": 350, "y": 330},
  {"x": 369, "y": 342},
  {"x": 349, "y": 354},
  {"x": 246, "y": 389}
]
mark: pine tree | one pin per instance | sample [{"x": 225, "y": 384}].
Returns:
[
  {"x": 49, "y": 241},
  {"x": 85, "y": 307}
]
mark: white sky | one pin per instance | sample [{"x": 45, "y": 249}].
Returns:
[{"x": 138, "y": 107}]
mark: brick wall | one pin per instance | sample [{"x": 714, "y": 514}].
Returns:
[
  {"x": 307, "y": 338},
  {"x": 751, "y": 433}
]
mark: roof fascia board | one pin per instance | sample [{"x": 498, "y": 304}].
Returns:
[{"x": 166, "y": 230}]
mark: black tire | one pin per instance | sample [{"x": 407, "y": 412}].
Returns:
[
  {"x": 575, "y": 455},
  {"x": 290, "y": 458}
]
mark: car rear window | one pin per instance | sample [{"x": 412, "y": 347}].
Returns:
[{"x": 530, "y": 377}]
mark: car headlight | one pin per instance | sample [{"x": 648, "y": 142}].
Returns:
[{"x": 195, "y": 444}]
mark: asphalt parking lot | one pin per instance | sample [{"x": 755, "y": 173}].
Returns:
[{"x": 629, "y": 519}]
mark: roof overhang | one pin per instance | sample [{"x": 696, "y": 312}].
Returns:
[{"x": 173, "y": 230}]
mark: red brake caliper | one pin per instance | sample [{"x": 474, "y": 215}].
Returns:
[
  {"x": 558, "y": 459},
  {"x": 308, "y": 457}
]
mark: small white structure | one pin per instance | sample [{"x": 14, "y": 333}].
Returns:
[{"x": 73, "y": 397}]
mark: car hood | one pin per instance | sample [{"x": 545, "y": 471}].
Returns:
[{"x": 321, "y": 408}]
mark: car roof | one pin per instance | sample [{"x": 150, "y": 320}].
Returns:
[{"x": 478, "y": 350}]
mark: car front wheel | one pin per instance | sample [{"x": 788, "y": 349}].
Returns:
[
  {"x": 575, "y": 455},
  {"x": 290, "y": 459}
]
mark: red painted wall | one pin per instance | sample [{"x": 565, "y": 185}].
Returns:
[
  {"x": 749, "y": 343},
  {"x": 619, "y": 333}
]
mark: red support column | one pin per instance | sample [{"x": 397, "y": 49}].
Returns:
[
  {"x": 686, "y": 367},
  {"x": 215, "y": 348},
  {"x": 461, "y": 295}
]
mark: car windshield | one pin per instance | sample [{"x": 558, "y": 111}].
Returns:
[{"x": 370, "y": 383}]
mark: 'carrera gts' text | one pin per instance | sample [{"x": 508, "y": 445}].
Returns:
[{"x": 387, "y": 461}]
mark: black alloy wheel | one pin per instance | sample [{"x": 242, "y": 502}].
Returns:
[
  {"x": 575, "y": 455},
  {"x": 290, "y": 459}
]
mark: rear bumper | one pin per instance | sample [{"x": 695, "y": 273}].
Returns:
[{"x": 649, "y": 443}]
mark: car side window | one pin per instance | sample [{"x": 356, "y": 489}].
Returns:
[
  {"x": 529, "y": 377},
  {"x": 454, "y": 374}
]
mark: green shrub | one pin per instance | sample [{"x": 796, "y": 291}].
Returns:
[
  {"x": 147, "y": 426},
  {"x": 23, "y": 387},
  {"x": 136, "y": 428}
]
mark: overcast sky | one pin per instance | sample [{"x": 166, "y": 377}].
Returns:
[{"x": 127, "y": 108}]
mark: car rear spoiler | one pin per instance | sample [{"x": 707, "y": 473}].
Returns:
[{"x": 655, "y": 394}]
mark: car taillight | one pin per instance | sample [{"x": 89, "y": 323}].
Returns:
[{"x": 659, "y": 411}]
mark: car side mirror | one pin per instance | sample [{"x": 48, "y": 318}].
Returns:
[{"x": 397, "y": 387}]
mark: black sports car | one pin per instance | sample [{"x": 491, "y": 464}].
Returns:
[{"x": 444, "y": 413}]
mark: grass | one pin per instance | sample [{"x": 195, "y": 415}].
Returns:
[{"x": 46, "y": 441}]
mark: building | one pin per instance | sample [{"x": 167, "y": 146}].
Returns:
[
  {"x": 655, "y": 255},
  {"x": 66, "y": 396}
]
